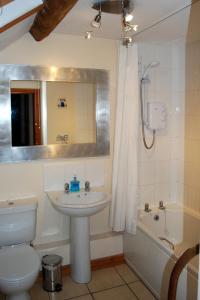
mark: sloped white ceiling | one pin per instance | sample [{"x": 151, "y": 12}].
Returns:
[
  {"x": 13, "y": 34},
  {"x": 16, "y": 9},
  {"x": 146, "y": 12},
  {"x": 77, "y": 22}
]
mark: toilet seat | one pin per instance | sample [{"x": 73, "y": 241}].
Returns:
[{"x": 18, "y": 263}]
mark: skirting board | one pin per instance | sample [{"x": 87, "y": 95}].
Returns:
[
  {"x": 102, "y": 245},
  {"x": 97, "y": 264}
]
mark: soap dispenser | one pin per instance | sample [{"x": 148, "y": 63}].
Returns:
[{"x": 75, "y": 185}]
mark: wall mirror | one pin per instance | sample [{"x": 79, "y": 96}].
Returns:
[{"x": 49, "y": 112}]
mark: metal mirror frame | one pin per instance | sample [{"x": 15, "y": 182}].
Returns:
[{"x": 41, "y": 73}]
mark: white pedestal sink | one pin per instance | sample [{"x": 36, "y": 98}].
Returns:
[{"x": 79, "y": 206}]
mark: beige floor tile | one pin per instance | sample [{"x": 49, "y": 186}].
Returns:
[
  {"x": 104, "y": 279},
  {"x": 126, "y": 273},
  {"x": 70, "y": 290},
  {"x": 141, "y": 291},
  {"x": 86, "y": 297},
  {"x": 118, "y": 293},
  {"x": 37, "y": 292},
  {"x": 60, "y": 296}
]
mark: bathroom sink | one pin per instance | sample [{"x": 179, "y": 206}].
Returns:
[{"x": 80, "y": 204}]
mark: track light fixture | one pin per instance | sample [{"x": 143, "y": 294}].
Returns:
[
  {"x": 126, "y": 11},
  {"x": 96, "y": 23},
  {"x": 127, "y": 17},
  {"x": 123, "y": 8}
]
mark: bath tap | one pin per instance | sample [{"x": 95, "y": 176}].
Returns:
[
  {"x": 87, "y": 186},
  {"x": 146, "y": 208},
  {"x": 161, "y": 205}
]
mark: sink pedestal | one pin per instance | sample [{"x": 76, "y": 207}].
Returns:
[
  {"x": 80, "y": 249},
  {"x": 79, "y": 206}
]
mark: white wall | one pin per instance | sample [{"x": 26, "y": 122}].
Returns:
[
  {"x": 33, "y": 178},
  {"x": 77, "y": 119},
  {"x": 192, "y": 126},
  {"x": 161, "y": 169}
]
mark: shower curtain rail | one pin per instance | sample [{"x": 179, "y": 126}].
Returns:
[{"x": 164, "y": 19}]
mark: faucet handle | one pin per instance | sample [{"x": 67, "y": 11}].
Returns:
[
  {"x": 66, "y": 187},
  {"x": 146, "y": 207},
  {"x": 87, "y": 186},
  {"x": 161, "y": 205}
]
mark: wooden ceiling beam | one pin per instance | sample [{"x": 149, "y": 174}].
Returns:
[
  {"x": 5, "y": 2},
  {"x": 52, "y": 13},
  {"x": 21, "y": 18}
]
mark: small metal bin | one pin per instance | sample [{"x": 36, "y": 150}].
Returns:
[{"x": 52, "y": 275}]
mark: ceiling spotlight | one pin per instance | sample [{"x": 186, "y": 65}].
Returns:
[
  {"x": 128, "y": 17},
  {"x": 135, "y": 27},
  {"x": 96, "y": 23},
  {"x": 129, "y": 27},
  {"x": 88, "y": 35}
]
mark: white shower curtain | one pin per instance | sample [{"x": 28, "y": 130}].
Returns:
[{"x": 125, "y": 165}]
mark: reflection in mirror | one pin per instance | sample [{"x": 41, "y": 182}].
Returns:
[
  {"x": 71, "y": 116},
  {"x": 52, "y": 113},
  {"x": 25, "y": 113}
]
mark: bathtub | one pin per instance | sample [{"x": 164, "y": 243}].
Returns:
[{"x": 161, "y": 237}]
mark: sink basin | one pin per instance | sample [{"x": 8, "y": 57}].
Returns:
[{"x": 81, "y": 204}]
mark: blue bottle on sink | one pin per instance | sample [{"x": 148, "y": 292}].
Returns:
[{"x": 74, "y": 185}]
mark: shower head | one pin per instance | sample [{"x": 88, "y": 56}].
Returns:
[{"x": 153, "y": 64}]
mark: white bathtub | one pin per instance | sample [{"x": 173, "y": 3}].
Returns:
[{"x": 153, "y": 259}]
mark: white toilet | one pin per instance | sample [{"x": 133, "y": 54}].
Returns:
[{"x": 19, "y": 262}]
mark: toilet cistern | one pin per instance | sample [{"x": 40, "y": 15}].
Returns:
[{"x": 19, "y": 261}]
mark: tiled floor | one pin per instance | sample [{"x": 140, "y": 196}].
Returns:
[{"x": 118, "y": 283}]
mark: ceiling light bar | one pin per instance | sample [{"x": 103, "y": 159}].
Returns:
[
  {"x": 122, "y": 7},
  {"x": 113, "y": 6}
]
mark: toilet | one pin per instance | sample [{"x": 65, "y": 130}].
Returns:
[{"x": 19, "y": 262}]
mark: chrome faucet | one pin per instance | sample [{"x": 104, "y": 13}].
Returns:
[
  {"x": 146, "y": 207},
  {"x": 161, "y": 205},
  {"x": 66, "y": 187},
  {"x": 87, "y": 186}
]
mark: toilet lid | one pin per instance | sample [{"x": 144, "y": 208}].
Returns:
[{"x": 18, "y": 262}]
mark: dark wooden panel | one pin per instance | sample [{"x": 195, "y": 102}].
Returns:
[
  {"x": 4, "y": 2},
  {"x": 49, "y": 17}
]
